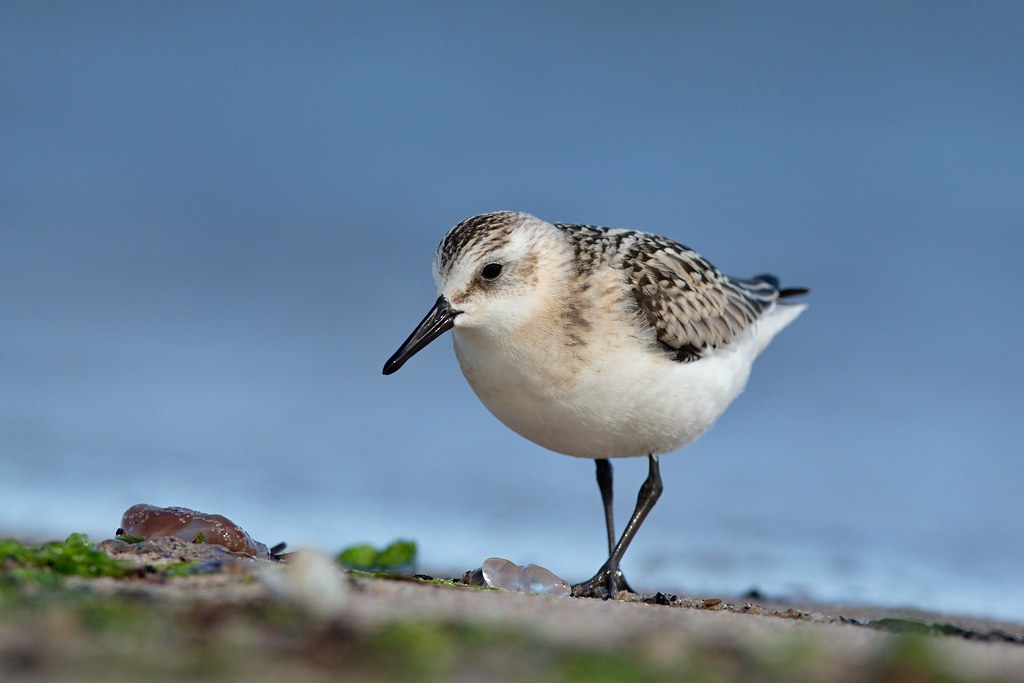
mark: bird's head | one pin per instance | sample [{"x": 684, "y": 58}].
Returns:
[{"x": 487, "y": 271}]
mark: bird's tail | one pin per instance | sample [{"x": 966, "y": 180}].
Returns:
[
  {"x": 793, "y": 291},
  {"x": 778, "y": 316}
]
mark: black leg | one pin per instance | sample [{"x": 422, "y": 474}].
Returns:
[
  {"x": 616, "y": 581},
  {"x": 604, "y": 482},
  {"x": 604, "y": 583}
]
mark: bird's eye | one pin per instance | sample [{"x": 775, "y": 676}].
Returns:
[{"x": 491, "y": 271}]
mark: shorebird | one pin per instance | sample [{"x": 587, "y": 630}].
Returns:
[{"x": 597, "y": 343}]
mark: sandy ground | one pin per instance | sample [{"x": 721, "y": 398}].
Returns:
[{"x": 309, "y": 621}]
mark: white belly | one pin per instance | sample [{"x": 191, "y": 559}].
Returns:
[{"x": 627, "y": 401}]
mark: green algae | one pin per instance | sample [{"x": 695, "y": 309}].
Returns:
[
  {"x": 129, "y": 539},
  {"x": 48, "y": 563},
  {"x": 397, "y": 558}
]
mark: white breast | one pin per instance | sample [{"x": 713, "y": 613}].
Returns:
[{"x": 619, "y": 399}]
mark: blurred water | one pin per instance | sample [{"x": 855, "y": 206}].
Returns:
[{"x": 215, "y": 226}]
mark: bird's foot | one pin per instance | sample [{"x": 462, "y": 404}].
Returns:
[{"x": 604, "y": 585}]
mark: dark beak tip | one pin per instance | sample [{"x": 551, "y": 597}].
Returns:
[{"x": 439, "y": 320}]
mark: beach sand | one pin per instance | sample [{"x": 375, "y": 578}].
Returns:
[{"x": 259, "y": 620}]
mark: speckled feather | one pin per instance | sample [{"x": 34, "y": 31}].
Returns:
[
  {"x": 479, "y": 232},
  {"x": 691, "y": 305}
]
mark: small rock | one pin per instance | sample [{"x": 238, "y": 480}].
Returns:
[
  {"x": 311, "y": 581},
  {"x": 114, "y": 546},
  {"x": 150, "y": 521}
]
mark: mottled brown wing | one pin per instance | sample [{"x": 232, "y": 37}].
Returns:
[{"x": 690, "y": 304}]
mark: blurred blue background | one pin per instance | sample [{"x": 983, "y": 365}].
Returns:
[{"x": 217, "y": 222}]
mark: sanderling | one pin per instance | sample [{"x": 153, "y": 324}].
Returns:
[{"x": 597, "y": 342}]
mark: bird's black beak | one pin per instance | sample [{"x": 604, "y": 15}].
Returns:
[{"x": 439, "y": 320}]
